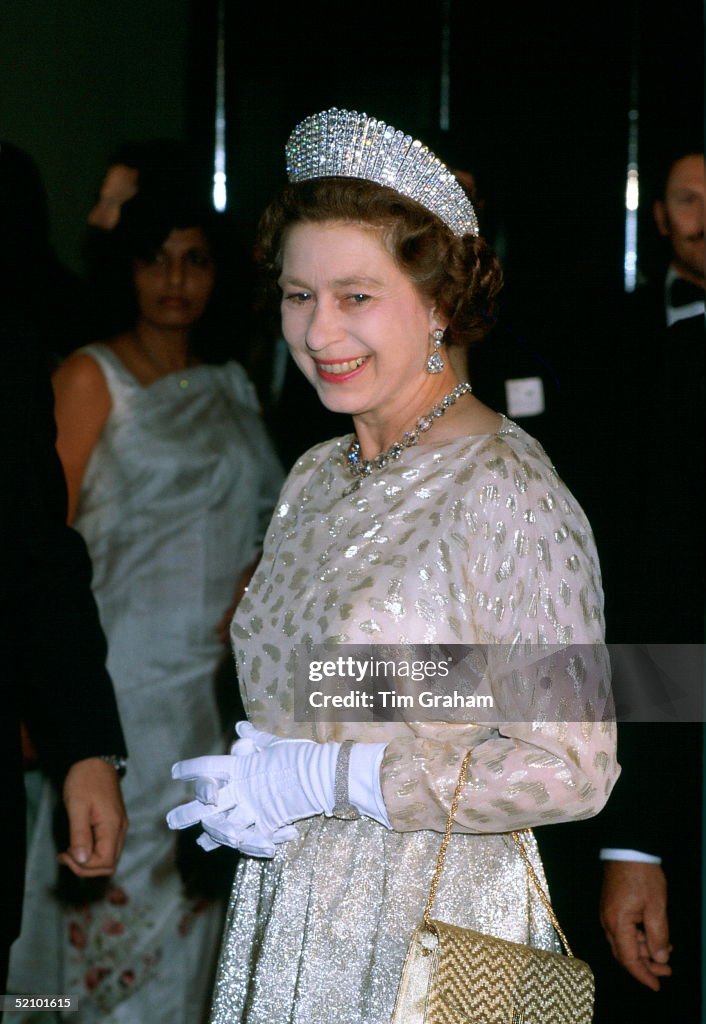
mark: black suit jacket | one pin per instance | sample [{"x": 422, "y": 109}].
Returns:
[
  {"x": 643, "y": 491},
  {"x": 53, "y": 649}
]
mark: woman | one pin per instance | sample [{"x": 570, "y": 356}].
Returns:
[
  {"x": 438, "y": 523},
  {"x": 171, "y": 481}
]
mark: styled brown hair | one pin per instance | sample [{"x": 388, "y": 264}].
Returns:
[{"x": 461, "y": 276}]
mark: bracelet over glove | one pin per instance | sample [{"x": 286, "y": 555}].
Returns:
[{"x": 249, "y": 798}]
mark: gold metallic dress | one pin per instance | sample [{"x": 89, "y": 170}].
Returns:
[{"x": 472, "y": 540}]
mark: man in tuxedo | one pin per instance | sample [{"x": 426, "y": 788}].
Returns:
[
  {"x": 663, "y": 761},
  {"x": 54, "y": 678},
  {"x": 679, "y": 215},
  {"x": 649, "y": 435},
  {"x": 649, "y": 440}
]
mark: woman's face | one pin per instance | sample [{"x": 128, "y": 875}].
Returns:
[
  {"x": 354, "y": 322},
  {"x": 174, "y": 285}
]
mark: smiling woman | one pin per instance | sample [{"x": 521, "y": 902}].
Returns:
[
  {"x": 438, "y": 522},
  {"x": 356, "y": 325},
  {"x": 369, "y": 279}
]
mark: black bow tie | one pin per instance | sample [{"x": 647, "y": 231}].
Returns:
[{"x": 683, "y": 292}]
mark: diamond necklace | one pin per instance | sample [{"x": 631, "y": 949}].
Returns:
[{"x": 360, "y": 468}]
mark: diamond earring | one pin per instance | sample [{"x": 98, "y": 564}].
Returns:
[{"x": 435, "y": 364}]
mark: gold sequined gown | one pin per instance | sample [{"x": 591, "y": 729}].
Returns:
[{"x": 471, "y": 540}]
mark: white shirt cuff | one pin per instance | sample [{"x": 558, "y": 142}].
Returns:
[
  {"x": 610, "y": 853},
  {"x": 364, "y": 788}
]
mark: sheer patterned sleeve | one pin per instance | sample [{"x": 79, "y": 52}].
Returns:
[{"x": 532, "y": 587}]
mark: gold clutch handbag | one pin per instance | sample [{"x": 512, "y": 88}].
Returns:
[{"x": 455, "y": 975}]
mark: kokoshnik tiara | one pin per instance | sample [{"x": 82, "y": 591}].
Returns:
[{"x": 346, "y": 144}]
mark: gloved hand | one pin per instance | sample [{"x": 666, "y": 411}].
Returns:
[
  {"x": 267, "y": 782},
  {"x": 211, "y": 775},
  {"x": 228, "y": 824},
  {"x": 228, "y": 829},
  {"x": 214, "y": 776},
  {"x": 248, "y": 799}
]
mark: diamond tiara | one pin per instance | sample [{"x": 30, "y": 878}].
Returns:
[{"x": 346, "y": 144}]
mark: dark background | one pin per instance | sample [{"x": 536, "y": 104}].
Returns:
[{"x": 539, "y": 101}]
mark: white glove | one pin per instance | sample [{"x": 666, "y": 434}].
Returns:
[
  {"x": 214, "y": 799},
  {"x": 266, "y": 782},
  {"x": 362, "y": 785},
  {"x": 227, "y": 830},
  {"x": 249, "y": 798}
]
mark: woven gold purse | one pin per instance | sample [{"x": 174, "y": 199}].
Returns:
[{"x": 455, "y": 975}]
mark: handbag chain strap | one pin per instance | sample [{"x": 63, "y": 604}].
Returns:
[{"x": 431, "y": 898}]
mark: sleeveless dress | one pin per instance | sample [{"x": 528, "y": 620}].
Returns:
[
  {"x": 470, "y": 541},
  {"x": 173, "y": 506}
]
